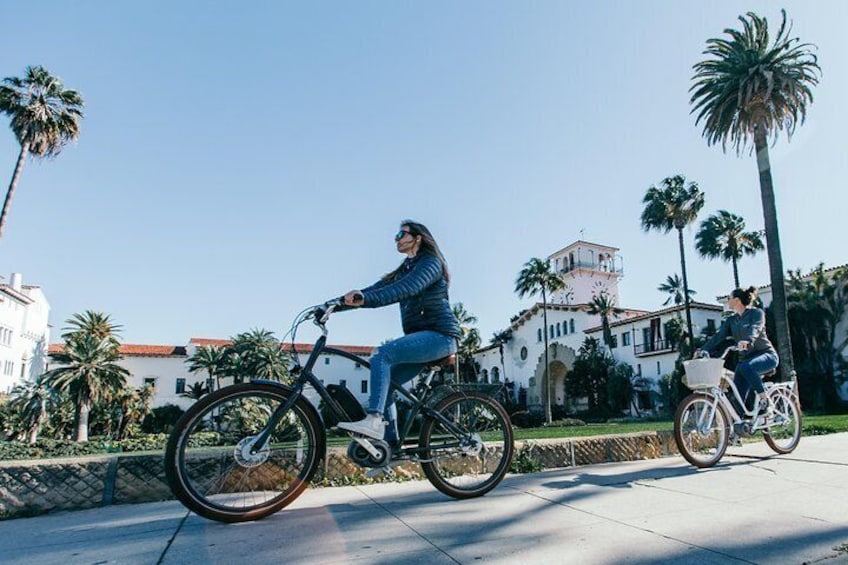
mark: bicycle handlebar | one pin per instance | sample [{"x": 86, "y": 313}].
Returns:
[{"x": 706, "y": 354}]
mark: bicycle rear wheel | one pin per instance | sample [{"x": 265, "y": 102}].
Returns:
[
  {"x": 469, "y": 454},
  {"x": 784, "y": 431},
  {"x": 701, "y": 430},
  {"x": 208, "y": 459}
]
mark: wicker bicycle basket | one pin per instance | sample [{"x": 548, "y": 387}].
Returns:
[{"x": 703, "y": 373}]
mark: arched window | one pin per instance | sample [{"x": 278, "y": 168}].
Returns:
[
  {"x": 496, "y": 375},
  {"x": 552, "y": 331},
  {"x": 559, "y": 329},
  {"x": 539, "y": 334},
  {"x": 571, "y": 260},
  {"x": 571, "y": 323},
  {"x": 485, "y": 375}
]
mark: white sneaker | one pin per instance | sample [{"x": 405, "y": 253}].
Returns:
[{"x": 372, "y": 426}]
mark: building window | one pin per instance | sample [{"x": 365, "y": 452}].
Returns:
[
  {"x": 363, "y": 387},
  {"x": 150, "y": 382},
  {"x": 523, "y": 353},
  {"x": 625, "y": 338},
  {"x": 552, "y": 331},
  {"x": 326, "y": 360},
  {"x": 343, "y": 383},
  {"x": 711, "y": 326},
  {"x": 180, "y": 388},
  {"x": 614, "y": 342},
  {"x": 559, "y": 329},
  {"x": 571, "y": 323},
  {"x": 539, "y": 334},
  {"x": 357, "y": 365},
  {"x": 639, "y": 369},
  {"x": 485, "y": 374},
  {"x": 496, "y": 375},
  {"x": 659, "y": 368}
]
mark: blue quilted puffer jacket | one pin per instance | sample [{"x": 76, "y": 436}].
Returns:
[{"x": 422, "y": 291}]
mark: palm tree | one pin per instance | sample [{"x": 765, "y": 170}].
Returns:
[
  {"x": 88, "y": 372},
  {"x": 674, "y": 205},
  {"x": 92, "y": 323},
  {"x": 604, "y": 305},
  {"x": 750, "y": 87},
  {"x": 255, "y": 354},
  {"x": 723, "y": 236},
  {"x": 45, "y": 117},
  {"x": 673, "y": 286},
  {"x": 33, "y": 401},
  {"x": 463, "y": 316},
  {"x": 210, "y": 359},
  {"x": 468, "y": 343},
  {"x": 500, "y": 339},
  {"x": 537, "y": 277}
]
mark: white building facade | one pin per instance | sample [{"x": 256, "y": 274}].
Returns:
[{"x": 24, "y": 332}]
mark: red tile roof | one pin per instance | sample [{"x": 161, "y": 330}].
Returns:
[{"x": 135, "y": 350}]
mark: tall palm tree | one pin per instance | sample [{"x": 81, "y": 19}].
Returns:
[
  {"x": 255, "y": 354},
  {"x": 210, "y": 359},
  {"x": 537, "y": 277},
  {"x": 604, "y": 305},
  {"x": 88, "y": 372},
  {"x": 92, "y": 323},
  {"x": 45, "y": 117},
  {"x": 750, "y": 87},
  {"x": 468, "y": 343},
  {"x": 674, "y": 205},
  {"x": 673, "y": 286},
  {"x": 33, "y": 401},
  {"x": 723, "y": 236},
  {"x": 500, "y": 339}
]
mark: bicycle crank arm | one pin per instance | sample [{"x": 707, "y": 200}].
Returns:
[{"x": 367, "y": 446}]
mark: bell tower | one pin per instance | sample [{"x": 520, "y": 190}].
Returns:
[{"x": 587, "y": 269}]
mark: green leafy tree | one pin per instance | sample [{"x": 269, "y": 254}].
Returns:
[
  {"x": 88, "y": 373},
  {"x": 673, "y": 286},
  {"x": 44, "y": 118},
  {"x": 537, "y": 277},
  {"x": 256, "y": 354},
  {"x": 468, "y": 343},
  {"x": 723, "y": 236},
  {"x": 210, "y": 359},
  {"x": 33, "y": 401},
  {"x": 603, "y": 305},
  {"x": 750, "y": 88},
  {"x": 674, "y": 204},
  {"x": 589, "y": 376}
]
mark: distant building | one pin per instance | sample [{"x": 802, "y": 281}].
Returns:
[
  {"x": 165, "y": 368},
  {"x": 24, "y": 332}
]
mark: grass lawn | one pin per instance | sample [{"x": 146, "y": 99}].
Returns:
[{"x": 812, "y": 425}]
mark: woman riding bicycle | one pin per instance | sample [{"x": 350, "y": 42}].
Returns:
[
  {"x": 420, "y": 285},
  {"x": 746, "y": 326}
]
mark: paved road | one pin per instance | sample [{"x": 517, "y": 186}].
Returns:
[{"x": 751, "y": 508}]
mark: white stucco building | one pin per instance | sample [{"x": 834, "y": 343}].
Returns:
[
  {"x": 24, "y": 332},
  {"x": 587, "y": 269},
  {"x": 165, "y": 368}
]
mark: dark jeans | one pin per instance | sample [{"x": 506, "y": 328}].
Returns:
[{"x": 748, "y": 373}]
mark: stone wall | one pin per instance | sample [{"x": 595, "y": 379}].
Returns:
[{"x": 29, "y": 488}]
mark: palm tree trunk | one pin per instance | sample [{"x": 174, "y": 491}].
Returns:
[
  {"x": 735, "y": 273},
  {"x": 685, "y": 287},
  {"x": 19, "y": 166},
  {"x": 82, "y": 422},
  {"x": 778, "y": 289},
  {"x": 546, "y": 392}
]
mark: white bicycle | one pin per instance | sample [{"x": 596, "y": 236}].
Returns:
[{"x": 706, "y": 419}]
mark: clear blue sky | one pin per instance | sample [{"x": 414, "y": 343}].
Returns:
[{"x": 237, "y": 164}]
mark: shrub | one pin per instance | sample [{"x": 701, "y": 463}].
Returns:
[
  {"x": 161, "y": 419},
  {"x": 524, "y": 461}
]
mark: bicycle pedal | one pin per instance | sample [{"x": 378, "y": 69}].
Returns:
[{"x": 377, "y": 471}]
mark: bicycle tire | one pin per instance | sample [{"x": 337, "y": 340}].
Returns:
[
  {"x": 210, "y": 469},
  {"x": 486, "y": 448},
  {"x": 784, "y": 431},
  {"x": 701, "y": 443}
]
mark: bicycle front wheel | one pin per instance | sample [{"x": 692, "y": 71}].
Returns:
[
  {"x": 784, "y": 430},
  {"x": 701, "y": 430},
  {"x": 467, "y": 448},
  {"x": 217, "y": 471}
]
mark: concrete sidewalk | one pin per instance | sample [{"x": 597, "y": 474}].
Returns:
[{"x": 753, "y": 507}]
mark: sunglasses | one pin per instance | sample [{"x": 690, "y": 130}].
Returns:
[{"x": 401, "y": 234}]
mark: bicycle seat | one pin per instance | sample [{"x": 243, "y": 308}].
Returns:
[{"x": 442, "y": 363}]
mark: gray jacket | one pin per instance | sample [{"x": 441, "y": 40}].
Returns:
[
  {"x": 422, "y": 291},
  {"x": 750, "y": 327}
]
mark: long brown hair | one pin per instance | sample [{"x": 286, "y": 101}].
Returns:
[{"x": 428, "y": 245}]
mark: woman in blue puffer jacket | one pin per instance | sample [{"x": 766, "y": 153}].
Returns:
[{"x": 420, "y": 285}]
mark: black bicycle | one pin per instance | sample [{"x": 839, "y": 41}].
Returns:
[{"x": 248, "y": 450}]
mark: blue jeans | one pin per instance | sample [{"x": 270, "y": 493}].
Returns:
[
  {"x": 748, "y": 373},
  {"x": 400, "y": 361}
]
